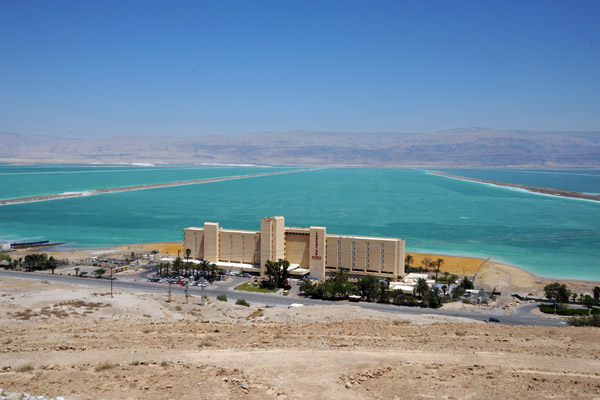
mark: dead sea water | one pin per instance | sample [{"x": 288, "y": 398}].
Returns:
[{"x": 546, "y": 235}]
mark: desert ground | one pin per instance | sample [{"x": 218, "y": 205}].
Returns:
[{"x": 79, "y": 343}]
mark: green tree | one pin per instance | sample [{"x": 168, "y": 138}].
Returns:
[
  {"x": 466, "y": 283},
  {"x": 422, "y": 287},
  {"x": 597, "y": 292},
  {"x": 35, "y": 261},
  {"x": 99, "y": 272},
  {"x": 178, "y": 265},
  {"x": 432, "y": 298},
  {"x": 277, "y": 271},
  {"x": 52, "y": 264},
  {"x": 457, "y": 292},
  {"x": 589, "y": 302},
  {"x": 557, "y": 292},
  {"x": 574, "y": 297},
  {"x": 188, "y": 252},
  {"x": 307, "y": 287},
  {"x": 368, "y": 287},
  {"x": 4, "y": 256},
  {"x": 446, "y": 275},
  {"x": 204, "y": 267}
]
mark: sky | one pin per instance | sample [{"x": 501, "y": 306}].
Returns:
[{"x": 94, "y": 69}]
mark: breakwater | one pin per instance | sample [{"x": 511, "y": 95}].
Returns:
[
  {"x": 535, "y": 189},
  {"x": 137, "y": 187}
]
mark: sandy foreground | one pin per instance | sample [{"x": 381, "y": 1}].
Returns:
[{"x": 72, "y": 341}]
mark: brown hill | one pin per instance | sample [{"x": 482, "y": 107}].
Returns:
[{"x": 471, "y": 147}]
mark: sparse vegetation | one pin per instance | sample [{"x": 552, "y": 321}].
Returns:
[
  {"x": 594, "y": 320},
  {"x": 569, "y": 311},
  {"x": 253, "y": 287},
  {"x": 104, "y": 367},
  {"x": 255, "y": 314},
  {"x": 242, "y": 302},
  {"x": 222, "y": 297},
  {"x": 25, "y": 368}
]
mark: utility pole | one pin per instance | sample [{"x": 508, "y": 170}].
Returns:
[
  {"x": 169, "y": 292},
  {"x": 111, "y": 280},
  {"x": 186, "y": 292}
]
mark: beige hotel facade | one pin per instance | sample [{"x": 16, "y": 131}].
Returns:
[{"x": 308, "y": 250}]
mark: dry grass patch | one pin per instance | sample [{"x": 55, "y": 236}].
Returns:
[
  {"x": 256, "y": 314},
  {"x": 207, "y": 341},
  {"x": 82, "y": 304},
  {"x": 104, "y": 367},
  {"x": 25, "y": 368}
]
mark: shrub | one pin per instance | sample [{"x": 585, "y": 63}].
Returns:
[
  {"x": 242, "y": 302},
  {"x": 568, "y": 311},
  {"x": 222, "y": 297},
  {"x": 594, "y": 320}
]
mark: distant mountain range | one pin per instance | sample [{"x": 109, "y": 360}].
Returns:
[{"x": 468, "y": 147}]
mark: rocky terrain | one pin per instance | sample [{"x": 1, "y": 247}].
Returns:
[
  {"x": 59, "y": 340},
  {"x": 470, "y": 147}
]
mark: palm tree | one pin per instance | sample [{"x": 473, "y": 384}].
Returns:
[
  {"x": 341, "y": 275},
  {"x": 597, "y": 292},
  {"x": 52, "y": 264},
  {"x": 409, "y": 260},
  {"x": 439, "y": 262},
  {"x": 204, "y": 266},
  {"x": 426, "y": 263},
  {"x": 422, "y": 287},
  {"x": 446, "y": 275},
  {"x": 188, "y": 252},
  {"x": 77, "y": 271}
]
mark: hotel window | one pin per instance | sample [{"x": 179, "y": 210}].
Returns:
[
  {"x": 367, "y": 255},
  {"x": 382, "y": 254},
  {"x": 339, "y": 253},
  {"x": 230, "y": 246},
  {"x": 243, "y": 248},
  {"x": 255, "y": 249},
  {"x": 353, "y": 254}
]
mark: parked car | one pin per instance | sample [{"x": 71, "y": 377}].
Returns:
[{"x": 492, "y": 319}]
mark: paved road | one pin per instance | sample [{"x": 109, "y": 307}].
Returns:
[{"x": 521, "y": 316}]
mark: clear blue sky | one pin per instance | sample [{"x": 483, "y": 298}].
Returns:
[{"x": 185, "y": 68}]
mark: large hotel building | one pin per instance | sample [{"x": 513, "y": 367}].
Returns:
[{"x": 310, "y": 251}]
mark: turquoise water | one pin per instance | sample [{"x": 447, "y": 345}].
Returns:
[
  {"x": 584, "y": 181},
  {"x": 546, "y": 235},
  {"x": 27, "y": 181}
]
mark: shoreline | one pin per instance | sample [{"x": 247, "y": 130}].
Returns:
[
  {"x": 489, "y": 274},
  {"x": 534, "y": 189},
  {"x": 96, "y": 192}
]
